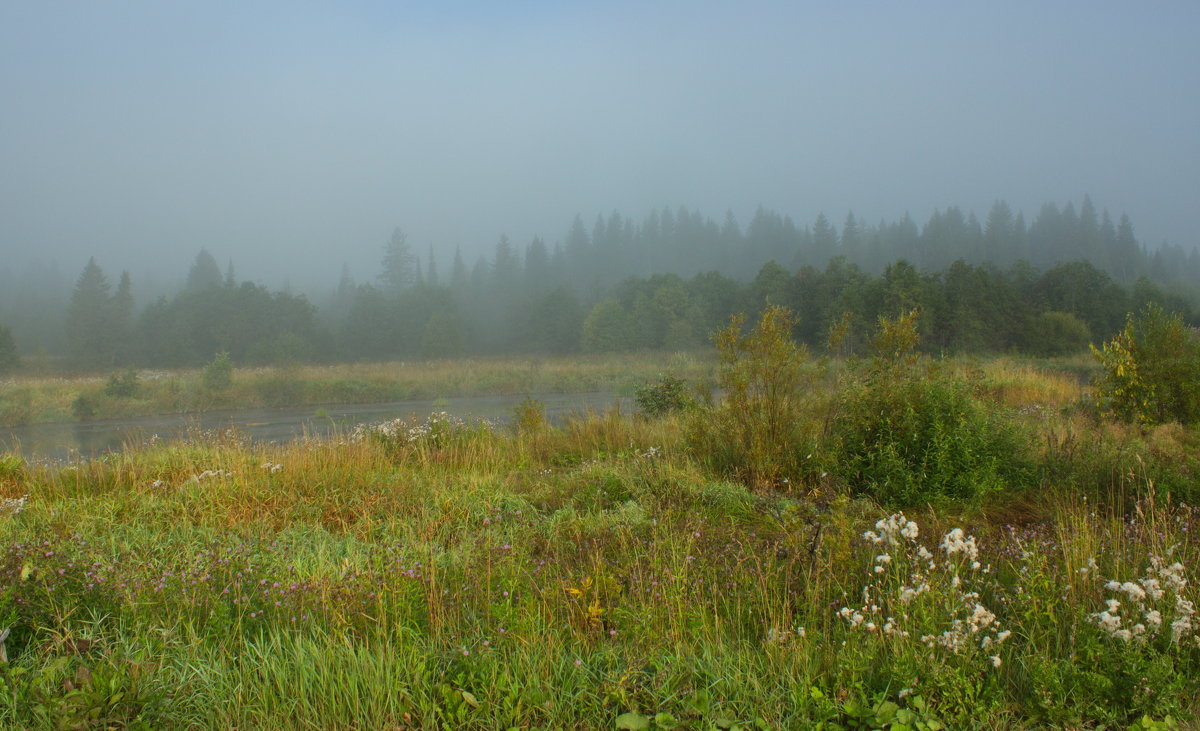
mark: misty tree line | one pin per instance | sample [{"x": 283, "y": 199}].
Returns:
[{"x": 667, "y": 282}]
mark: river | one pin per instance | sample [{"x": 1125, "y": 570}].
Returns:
[{"x": 66, "y": 442}]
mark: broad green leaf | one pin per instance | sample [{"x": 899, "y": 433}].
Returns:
[{"x": 633, "y": 722}]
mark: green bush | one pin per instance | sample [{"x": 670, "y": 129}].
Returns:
[
  {"x": 1151, "y": 370},
  {"x": 757, "y": 433},
  {"x": 86, "y": 406},
  {"x": 909, "y": 436},
  {"x": 218, "y": 375},
  {"x": 529, "y": 416},
  {"x": 669, "y": 394},
  {"x": 1053, "y": 334},
  {"x": 123, "y": 384}
]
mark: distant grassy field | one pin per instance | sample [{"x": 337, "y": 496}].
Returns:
[
  {"x": 33, "y": 400},
  {"x": 27, "y": 400},
  {"x": 605, "y": 574}
]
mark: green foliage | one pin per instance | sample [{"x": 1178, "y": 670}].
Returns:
[
  {"x": 886, "y": 714},
  {"x": 607, "y": 328},
  {"x": 86, "y": 405},
  {"x": 670, "y": 393},
  {"x": 123, "y": 384},
  {"x": 837, "y": 338},
  {"x": 529, "y": 416},
  {"x": 283, "y": 388},
  {"x": 436, "y": 575},
  {"x": 287, "y": 349},
  {"x": 11, "y": 467},
  {"x": 217, "y": 376},
  {"x": 1056, "y": 333},
  {"x": 897, "y": 338},
  {"x": 69, "y": 694},
  {"x": 1146, "y": 723},
  {"x": 251, "y": 323},
  {"x": 1151, "y": 370},
  {"x": 443, "y": 336},
  {"x": 89, "y": 326},
  {"x": 757, "y": 432},
  {"x": 905, "y": 437}
]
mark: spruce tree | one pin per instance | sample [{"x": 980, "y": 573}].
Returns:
[
  {"x": 204, "y": 273},
  {"x": 399, "y": 264},
  {"x": 89, "y": 319}
]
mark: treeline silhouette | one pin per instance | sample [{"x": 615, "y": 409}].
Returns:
[{"x": 1047, "y": 287}]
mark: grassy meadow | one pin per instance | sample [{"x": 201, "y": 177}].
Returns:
[{"x": 917, "y": 545}]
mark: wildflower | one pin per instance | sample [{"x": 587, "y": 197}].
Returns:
[
  {"x": 907, "y": 594},
  {"x": 1135, "y": 592},
  {"x": 1108, "y": 622},
  {"x": 980, "y": 618},
  {"x": 956, "y": 542},
  {"x": 1152, "y": 588},
  {"x": 995, "y": 661}
]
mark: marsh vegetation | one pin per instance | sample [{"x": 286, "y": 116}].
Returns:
[{"x": 922, "y": 544}]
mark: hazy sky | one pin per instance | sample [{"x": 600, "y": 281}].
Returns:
[{"x": 293, "y": 136}]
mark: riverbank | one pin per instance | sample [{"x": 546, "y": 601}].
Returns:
[
  {"x": 39, "y": 400},
  {"x": 28, "y": 400}
]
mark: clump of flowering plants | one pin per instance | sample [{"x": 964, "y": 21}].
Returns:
[
  {"x": 925, "y": 603},
  {"x": 1155, "y": 607},
  {"x": 439, "y": 433}
]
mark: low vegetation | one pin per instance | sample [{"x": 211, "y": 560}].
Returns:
[
  {"x": 219, "y": 385},
  {"x": 928, "y": 546}
]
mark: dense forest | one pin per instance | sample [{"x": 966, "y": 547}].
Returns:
[{"x": 1046, "y": 287}]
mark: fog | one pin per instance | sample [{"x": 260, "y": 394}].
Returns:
[{"x": 292, "y": 137}]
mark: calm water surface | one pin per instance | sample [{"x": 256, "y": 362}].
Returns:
[{"x": 72, "y": 441}]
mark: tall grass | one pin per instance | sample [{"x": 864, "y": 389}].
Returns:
[{"x": 439, "y": 574}]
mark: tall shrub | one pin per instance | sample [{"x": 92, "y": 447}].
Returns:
[
  {"x": 756, "y": 432},
  {"x": 1151, "y": 370}
]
